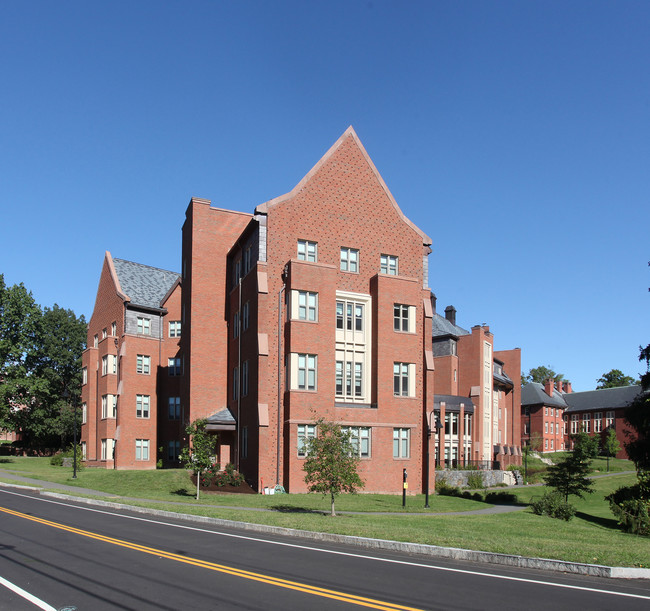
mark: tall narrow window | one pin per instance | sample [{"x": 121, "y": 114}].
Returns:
[
  {"x": 401, "y": 379},
  {"x": 307, "y": 305},
  {"x": 244, "y": 379},
  {"x": 174, "y": 408},
  {"x": 174, "y": 328},
  {"x": 235, "y": 383},
  {"x": 350, "y": 260},
  {"x": 143, "y": 363},
  {"x": 142, "y": 449},
  {"x": 174, "y": 366},
  {"x": 404, "y": 318},
  {"x": 388, "y": 264},
  {"x": 305, "y": 432},
  {"x": 307, "y": 251},
  {"x": 144, "y": 325},
  {"x": 245, "y": 316},
  {"x": 142, "y": 404},
  {"x": 307, "y": 371},
  {"x": 401, "y": 439}
]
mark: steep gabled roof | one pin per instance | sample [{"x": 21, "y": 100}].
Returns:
[
  {"x": 144, "y": 285},
  {"x": 443, "y": 327},
  {"x": 603, "y": 399},
  {"x": 349, "y": 133},
  {"x": 533, "y": 394}
]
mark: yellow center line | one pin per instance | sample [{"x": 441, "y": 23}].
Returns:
[{"x": 221, "y": 568}]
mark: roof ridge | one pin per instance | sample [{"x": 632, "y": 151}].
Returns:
[{"x": 160, "y": 269}]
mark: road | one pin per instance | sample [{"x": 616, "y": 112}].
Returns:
[{"x": 69, "y": 556}]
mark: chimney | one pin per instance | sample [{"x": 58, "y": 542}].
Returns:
[
  {"x": 567, "y": 386},
  {"x": 559, "y": 385},
  {"x": 549, "y": 386},
  {"x": 434, "y": 299},
  {"x": 450, "y": 314}
]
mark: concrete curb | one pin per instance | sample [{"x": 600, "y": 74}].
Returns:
[{"x": 434, "y": 551}]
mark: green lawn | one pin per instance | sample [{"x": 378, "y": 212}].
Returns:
[{"x": 592, "y": 536}]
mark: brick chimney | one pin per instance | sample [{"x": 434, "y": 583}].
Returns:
[
  {"x": 549, "y": 386},
  {"x": 560, "y": 386},
  {"x": 434, "y": 300},
  {"x": 567, "y": 387},
  {"x": 450, "y": 314}
]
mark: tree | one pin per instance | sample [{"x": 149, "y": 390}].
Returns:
[
  {"x": 569, "y": 476},
  {"x": 614, "y": 379},
  {"x": 540, "y": 375},
  {"x": 584, "y": 445},
  {"x": 535, "y": 441},
  {"x": 611, "y": 445},
  {"x": 200, "y": 455},
  {"x": 332, "y": 461}
]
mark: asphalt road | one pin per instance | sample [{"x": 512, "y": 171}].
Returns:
[{"x": 78, "y": 557}]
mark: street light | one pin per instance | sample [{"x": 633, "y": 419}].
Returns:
[{"x": 438, "y": 426}]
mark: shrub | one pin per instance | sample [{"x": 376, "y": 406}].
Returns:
[
  {"x": 553, "y": 504},
  {"x": 631, "y": 509},
  {"x": 57, "y": 459},
  {"x": 475, "y": 480},
  {"x": 445, "y": 489},
  {"x": 501, "y": 498}
]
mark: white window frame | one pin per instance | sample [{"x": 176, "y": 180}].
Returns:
[
  {"x": 107, "y": 449},
  {"x": 84, "y": 376},
  {"x": 304, "y": 372},
  {"x": 143, "y": 325},
  {"x": 361, "y": 439},
  {"x": 349, "y": 260},
  {"x": 304, "y": 305},
  {"x": 388, "y": 264},
  {"x": 143, "y": 406},
  {"x": 610, "y": 418},
  {"x": 574, "y": 424},
  {"x": 403, "y": 318},
  {"x": 305, "y": 432},
  {"x": 401, "y": 442},
  {"x": 109, "y": 406},
  {"x": 84, "y": 413},
  {"x": 143, "y": 364},
  {"x": 404, "y": 376},
  {"x": 175, "y": 328},
  {"x": 598, "y": 422},
  {"x": 307, "y": 250},
  {"x": 142, "y": 449},
  {"x": 586, "y": 423},
  {"x": 350, "y": 380},
  {"x": 113, "y": 329}
]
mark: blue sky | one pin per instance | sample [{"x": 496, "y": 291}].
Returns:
[{"x": 515, "y": 134}]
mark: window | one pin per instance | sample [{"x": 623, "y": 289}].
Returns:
[
  {"x": 574, "y": 424},
  {"x": 174, "y": 366},
  {"x": 143, "y": 363},
  {"x": 174, "y": 408},
  {"x": 244, "y": 379},
  {"x": 245, "y": 316},
  {"x": 109, "y": 364},
  {"x": 144, "y": 325},
  {"x": 307, "y": 305},
  {"x": 142, "y": 406},
  {"x": 235, "y": 325},
  {"x": 404, "y": 318},
  {"x": 349, "y": 378},
  {"x": 244, "y": 442},
  {"x": 388, "y": 265},
  {"x": 114, "y": 329},
  {"x": 546, "y": 411},
  {"x": 109, "y": 406},
  {"x": 83, "y": 450},
  {"x": 307, "y": 251},
  {"x": 235, "y": 383},
  {"x": 104, "y": 333},
  {"x": 108, "y": 449},
  {"x": 349, "y": 260},
  {"x": 84, "y": 413},
  {"x": 142, "y": 449},
  {"x": 305, "y": 432},
  {"x": 349, "y": 315},
  {"x": 551, "y": 444},
  {"x": 95, "y": 341},
  {"x": 546, "y": 427},
  {"x": 174, "y": 328},
  {"x": 248, "y": 259},
  {"x": 236, "y": 273},
  {"x": 586, "y": 422},
  {"x": 404, "y": 379},
  {"x": 307, "y": 371},
  {"x": 401, "y": 443},
  {"x": 546, "y": 444},
  {"x": 525, "y": 429},
  {"x": 609, "y": 419},
  {"x": 598, "y": 422},
  {"x": 173, "y": 450},
  {"x": 84, "y": 375},
  {"x": 360, "y": 439}
]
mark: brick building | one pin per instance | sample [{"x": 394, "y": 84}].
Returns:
[
  {"x": 542, "y": 414},
  {"x": 132, "y": 368},
  {"x": 476, "y": 401}
]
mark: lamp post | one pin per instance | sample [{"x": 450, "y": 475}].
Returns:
[{"x": 438, "y": 426}]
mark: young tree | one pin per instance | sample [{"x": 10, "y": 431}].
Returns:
[
  {"x": 614, "y": 379},
  {"x": 569, "y": 476},
  {"x": 200, "y": 455},
  {"x": 584, "y": 445},
  {"x": 332, "y": 461},
  {"x": 611, "y": 445}
]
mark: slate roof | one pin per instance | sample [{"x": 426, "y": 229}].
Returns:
[
  {"x": 603, "y": 399},
  {"x": 442, "y": 327},
  {"x": 222, "y": 417},
  {"x": 534, "y": 394},
  {"x": 145, "y": 286},
  {"x": 452, "y": 403}
]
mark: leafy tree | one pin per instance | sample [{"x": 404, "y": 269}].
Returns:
[
  {"x": 569, "y": 476},
  {"x": 200, "y": 455},
  {"x": 535, "y": 441},
  {"x": 614, "y": 379},
  {"x": 540, "y": 375},
  {"x": 584, "y": 445},
  {"x": 332, "y": 461},
  {"x": 611, "y": 445}
]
